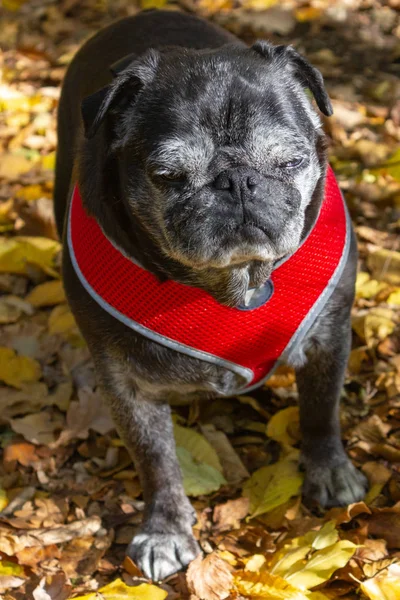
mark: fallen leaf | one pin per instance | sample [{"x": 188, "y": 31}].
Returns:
[
  {"x": 265, "y": 586},
  {"x": 89, "y": 412},
  {"x": 21, "y": 452},
  {"x": 61, "y": 320},
  {"x": 38, "y": 428},
  {"x": 385, "y": 265},
  {"x": 284, "y": 376},
  {"x": 3, "y": 499},
  {"x": 284, "y": 426},
  {"x": 46, "y": 294},
  {"x": 384, "y": 586},
  {"x": 375, "y": 325},
  {"x": 233, "y": 469},
  {"x": 228, "y": 515},
  {"x": 198, "y": 478},
  {"x": 118, "y": 590},
  {"x": 200, "y": 449},
  {"x": 13, "y": 165},
  {"x": 273, "y": 485},
  {"x": 16, "y": 370},
  {"x": 53, "y": 587},
  {"x": 209, "y": 578},
  {"x": 12, "y": 541},
  {"x": 17, "y": 253},
  {"x": 385, "y": 524},
  {"x": 321, "y": 565},
  {"x": 378, "y": 476}
]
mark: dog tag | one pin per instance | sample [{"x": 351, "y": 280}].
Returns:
[{"x": 256, "y": 297}]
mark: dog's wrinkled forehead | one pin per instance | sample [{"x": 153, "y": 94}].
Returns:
[{"x": 225, "y": 101}]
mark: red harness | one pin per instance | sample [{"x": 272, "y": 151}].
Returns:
[{"x": 248, "y": 342}]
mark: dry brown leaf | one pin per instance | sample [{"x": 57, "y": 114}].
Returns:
[
  {"x": 347, "y": 514},
  {"x": 233, "y": 469},
  {"x": 89, "y": 412},
  {"x": 32, "y": 557},
  {"x": 53, "y": 587},
  {"x": 385, "y": 524},
  {"x": 209, "y": 578},
  {"x": 39, "y": 428},
  {"x": 12, "y": 541},
  {"x": 22, "y": 452},
  {"x": 228, "y": 515}
]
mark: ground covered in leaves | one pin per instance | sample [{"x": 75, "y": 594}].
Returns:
[{"x": 70, "y": 499}]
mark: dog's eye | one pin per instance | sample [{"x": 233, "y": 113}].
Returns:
[
  {"x": 292, "y": 164},
  {"x": 172, "y": 177}
]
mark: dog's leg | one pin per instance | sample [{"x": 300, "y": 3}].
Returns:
[
  {"x": 165, "y": 543},
  {"x": 330, "y": 477}
]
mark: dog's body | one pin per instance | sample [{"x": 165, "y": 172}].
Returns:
[{"x": 210, "y": 134}]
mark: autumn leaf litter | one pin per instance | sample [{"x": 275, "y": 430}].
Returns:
[{"x": 70, "y": 499}]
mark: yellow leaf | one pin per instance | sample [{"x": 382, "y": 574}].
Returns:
[
  {"x": 49, "y": 161},
  {"x": 47, "y": 294},
  {"x": 17, "y": 370},
  {"x": 258, "y": 4},
  {"x": 385, "y": 265},
  {"x": 392, "y": 166},
  {"x": 198, "y": 478},
  {"x": 3, "y": 499},
  {"x": 384, "y": 586},
  {"x": 286, "y": 558},
  {"x": 284, "y": 376},
  {"x": 14, "y": 165},
  {"x": 282, "y": 425},
  {"x": 255, "y": 563},
  {"x": 9, "y": 568},
  {"x": 326, "y": 536},
  {"x": 367, "y": 287},
  {"x": 17, "y": 253},
  {"x": 321, "y": 565},
  {"x": 307, "y": 13},
  {"x": 375, "y": 326},
  {"x": 272, "y": 486},
  {"x": 267, "y": 586},
  {"x": 13, "y": 5},
  {"x": 298, "y": 548},
  {"x": 29, "y": 193},
  {"x": 147, "y": 4},
  {"x": 197, "y": 445},
  {"x": 118, "y": 590},
  {"x": 394, "y": 298},
  {"x": 61, "y": 320}
]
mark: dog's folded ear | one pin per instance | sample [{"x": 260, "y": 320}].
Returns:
[
  {"x": 130, "y": 77},
  {"x": 309, "y": 76}
]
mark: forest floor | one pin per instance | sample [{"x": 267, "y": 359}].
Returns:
[{"x": 70, "y": 499}]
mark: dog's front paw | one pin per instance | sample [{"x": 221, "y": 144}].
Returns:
[
  {"x": 159, "y": 555},
  {"x": 337, "y": 485}
]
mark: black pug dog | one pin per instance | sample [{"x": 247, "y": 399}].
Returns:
[{"x": 201, "y": 163}]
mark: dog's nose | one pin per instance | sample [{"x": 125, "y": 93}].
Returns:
[{"x": 242, "y": 183}]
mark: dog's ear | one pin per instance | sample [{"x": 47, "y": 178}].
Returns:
[
  {"x": 308, "y": 75},
  {"x": 121, "y": 91}
]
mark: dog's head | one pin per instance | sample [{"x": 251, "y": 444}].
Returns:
[{"x": 218, "y": 155}]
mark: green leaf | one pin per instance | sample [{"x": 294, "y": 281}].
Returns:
[
  {"x": 198, "y": 478},
  {"x": 200, "y": 449},
  {"x": 273, "y": 485}
]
